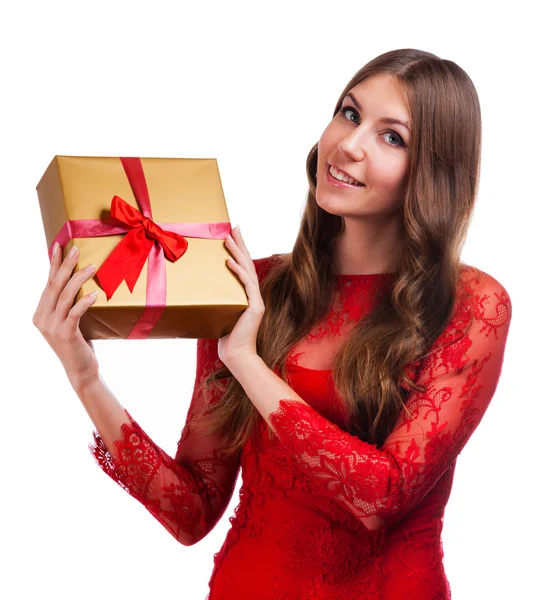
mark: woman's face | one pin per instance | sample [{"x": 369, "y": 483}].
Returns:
[{"x": 360, "y": 142}]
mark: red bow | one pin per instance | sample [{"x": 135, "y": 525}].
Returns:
[{"x": 127, "y": 260}]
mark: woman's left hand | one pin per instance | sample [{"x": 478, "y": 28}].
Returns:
[{"x": 242, "y": 340}]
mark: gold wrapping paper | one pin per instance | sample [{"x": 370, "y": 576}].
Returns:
[{"x": 204, "y": 297}]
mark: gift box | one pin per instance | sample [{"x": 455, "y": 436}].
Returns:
[{"x": 155, "y": 229}]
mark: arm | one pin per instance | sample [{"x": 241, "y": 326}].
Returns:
[
  {"x": 386, "y": 483},
  {"x": 187, "y": 494}
]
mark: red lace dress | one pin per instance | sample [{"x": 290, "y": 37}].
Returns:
[{"x": 323, "y": 515}]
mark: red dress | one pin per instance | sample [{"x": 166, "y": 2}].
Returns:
[{"x": 322, "y": 514}]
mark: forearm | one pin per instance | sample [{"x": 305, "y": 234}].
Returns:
[
  {"x": 319, "y": 447},
  {"x": 263, "y": 387},
  {"x": 197, "y": 498},
  {"x": 104, "y": 410}
]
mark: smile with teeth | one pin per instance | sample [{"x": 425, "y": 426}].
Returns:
[{"x": 341, "y": 177}]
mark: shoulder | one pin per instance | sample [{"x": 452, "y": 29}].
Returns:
[
  {"x": 263, "y": 266},
  {"x": 482, "y": 293},
  {"x": 480, "y": 319},
  {"x": 482, "y": 309}
]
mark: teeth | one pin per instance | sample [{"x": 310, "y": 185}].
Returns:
[{"x": 338, "y": 175}]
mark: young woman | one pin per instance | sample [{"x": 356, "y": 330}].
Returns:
[{"x": 345, "y": 392}]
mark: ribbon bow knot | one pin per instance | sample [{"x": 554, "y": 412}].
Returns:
[{"x": 127, "y": 259}]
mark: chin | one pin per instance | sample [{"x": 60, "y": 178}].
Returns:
[{"x": 331, "y": 208}]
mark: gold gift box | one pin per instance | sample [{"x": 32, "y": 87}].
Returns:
[{"x": 204, "y": 298}]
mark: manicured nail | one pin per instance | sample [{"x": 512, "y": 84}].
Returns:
[
  {"x": 55, "y": 249},
  {"x": 73, "y": 251}
]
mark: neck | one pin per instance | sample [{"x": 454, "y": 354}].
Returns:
[{"x": 368, "y": 246}]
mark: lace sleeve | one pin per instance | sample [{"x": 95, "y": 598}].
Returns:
[
  {"x": 461, "y": 374},
  {"x": 187, "y": 494}
]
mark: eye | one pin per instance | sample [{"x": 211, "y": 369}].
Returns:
[
  {"x": 346, "y": 109},
  {"x": 400, "y": 142}
]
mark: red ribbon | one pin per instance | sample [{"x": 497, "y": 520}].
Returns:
[{"x": 127, "y": 259}]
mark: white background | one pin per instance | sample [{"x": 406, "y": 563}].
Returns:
[{"x": 254, "y": 86}]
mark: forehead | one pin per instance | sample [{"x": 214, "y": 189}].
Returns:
[{"x": 382, "y": 96}]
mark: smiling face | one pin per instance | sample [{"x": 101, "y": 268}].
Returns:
[{"x": 360, "y": 141}]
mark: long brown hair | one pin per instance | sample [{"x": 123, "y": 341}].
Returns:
[{"x": 370, "y": 370}]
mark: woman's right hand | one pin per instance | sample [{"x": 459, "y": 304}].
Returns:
[{"x": 58, "y": 320}]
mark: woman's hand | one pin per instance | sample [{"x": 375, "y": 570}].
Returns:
[
  {"x": 243, "y": 338},
  {"x": 57, "y": 319}
]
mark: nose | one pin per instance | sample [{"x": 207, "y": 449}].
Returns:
[{"x": 351, "y": 145}]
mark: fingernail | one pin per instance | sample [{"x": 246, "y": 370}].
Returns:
[
  {"x": 55, "y": 248},
  {"x": 73, "y": 251},
  {"x": 238, "y": 229}
]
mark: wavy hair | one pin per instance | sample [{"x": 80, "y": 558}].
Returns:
[{"x": 370, "y": 369}]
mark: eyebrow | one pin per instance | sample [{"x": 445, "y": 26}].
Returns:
[{"x": 389, "y": 120}]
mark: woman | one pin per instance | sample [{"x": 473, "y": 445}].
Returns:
[{"x": 365, "y": 361}]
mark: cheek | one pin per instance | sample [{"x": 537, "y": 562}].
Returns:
[
  {"x": 324, "y": 149},
  {"x": 388, "y": 171}
]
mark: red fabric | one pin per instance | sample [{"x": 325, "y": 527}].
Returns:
[{"x": 323, "y": 515}]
